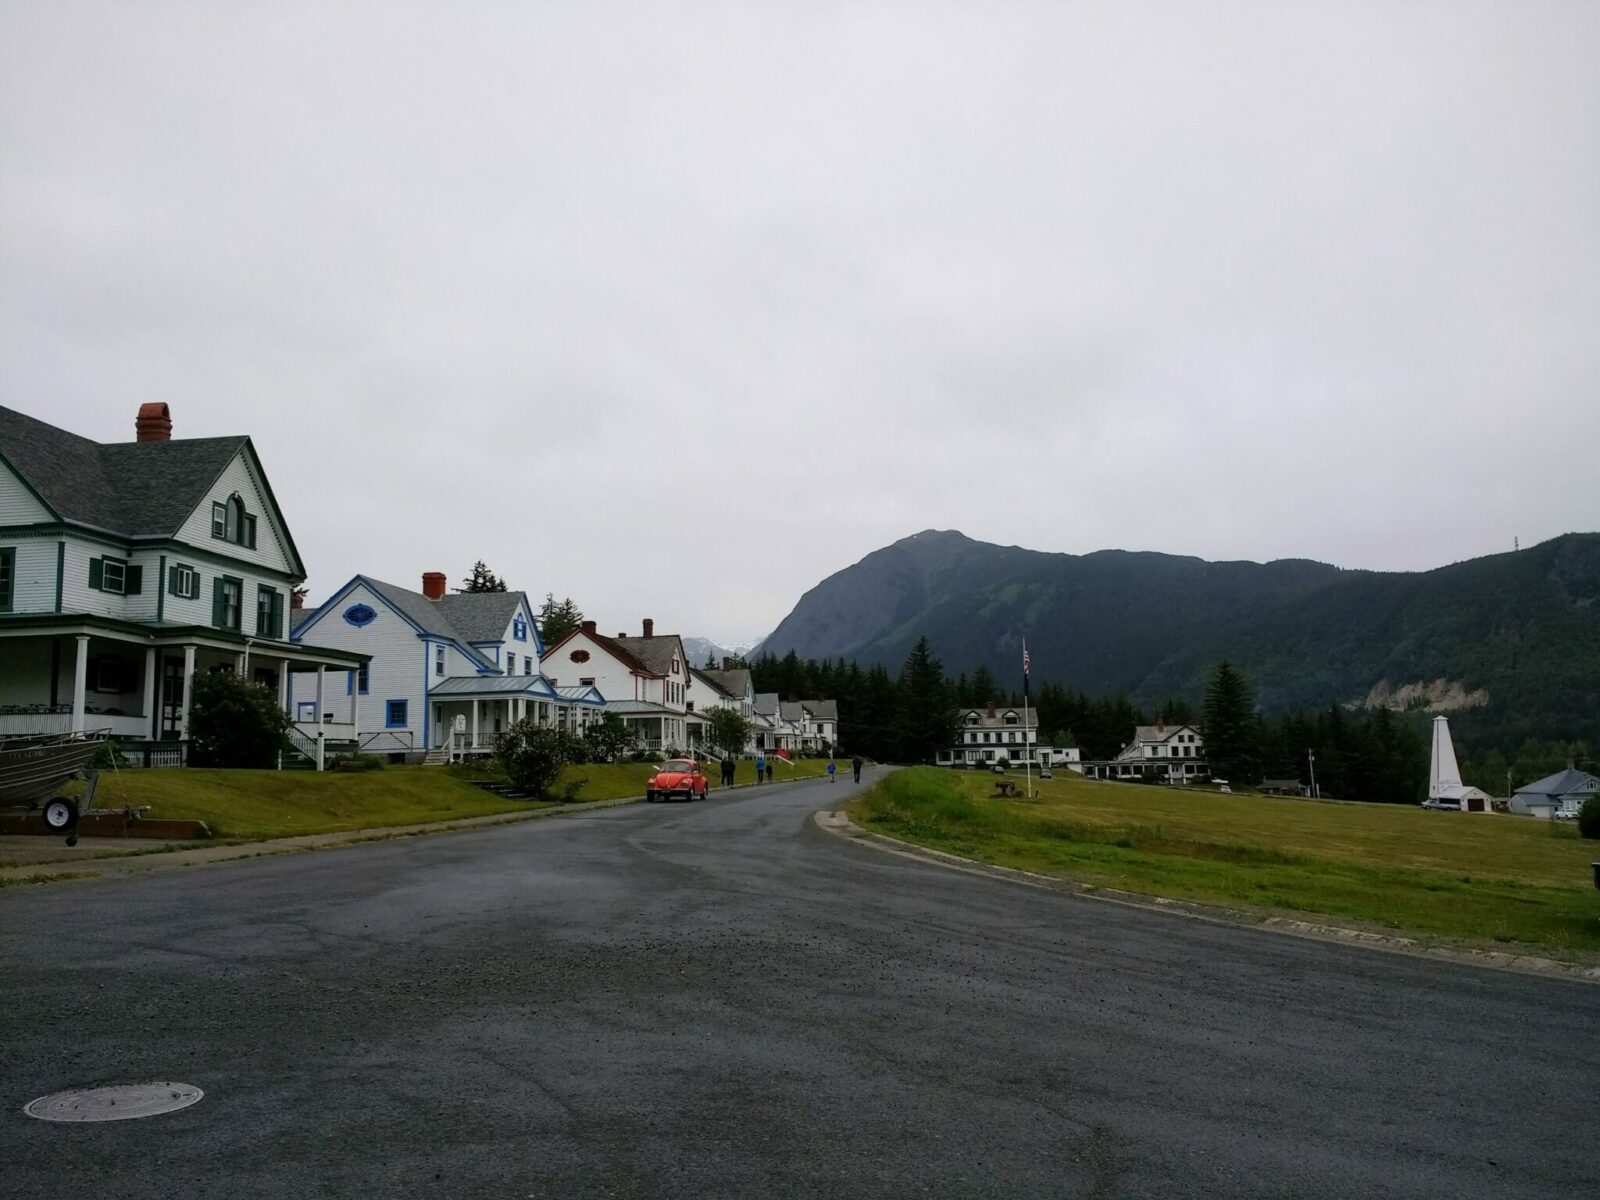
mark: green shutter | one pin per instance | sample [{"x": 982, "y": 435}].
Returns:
[
  {"x": 217, "y": 607},
  {"x": 132, "y": 580},
  {"x": 172, "y": 582},
  {"x": 96, "y": 573},
  {"x": 277, "y": 614}
]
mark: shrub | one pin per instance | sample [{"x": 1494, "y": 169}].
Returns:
[
  {"x": 1589, "y": 818},
  {"x": 533, "y": 755},
  {"x": 233, "y": 723},
  {"x": 609, "y": 738},
  {"x": 355, "y": 763}
]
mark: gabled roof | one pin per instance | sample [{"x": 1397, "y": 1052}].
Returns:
[
  {"x": 995, "y": 718},
  {"x": 134, "y": 489},
  {"x": 1160, "y": 733},
  {"x": 462, "y": 617},
  {"x": 736, "y": 682},
  {"x": 611, "y": 646},
  {"x": 822, "y": 710},
  {"x": 791, "y": 710},
  {"x": 705, "y": 678},
  {"x": 657, "y": 652},
  {"x": 480, "y": 616},
  {"x": 766, "y": 703},
  {"x": 1562, "y": 783}
]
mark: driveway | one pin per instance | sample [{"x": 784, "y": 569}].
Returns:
[{"x": 718, "y": 999}]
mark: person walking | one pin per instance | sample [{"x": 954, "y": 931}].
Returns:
[
  {"x": 856, "y": 764},
  {"x": 769, "y": 770},
  {"x": 761, "y": 765},
  {"x": 831, "y": 769},
  {"x": 728, "y": 768}
]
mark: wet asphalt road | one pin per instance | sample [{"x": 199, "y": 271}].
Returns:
[{"x": 717, "y": 999}]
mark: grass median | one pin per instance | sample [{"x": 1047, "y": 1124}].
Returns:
[
  {"x": 274, "y": 804},
  {"x": 1495, "y": 879}
]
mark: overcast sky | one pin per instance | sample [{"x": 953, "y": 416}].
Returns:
[{"x": 677, "y": 309}]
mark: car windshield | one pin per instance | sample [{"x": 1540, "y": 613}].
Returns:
[{"x": 677, "y": 764}]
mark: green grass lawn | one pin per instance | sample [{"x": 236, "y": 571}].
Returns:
[
  {"x": 1450, "y": 875},
  {"x": 269, "y": 804}
]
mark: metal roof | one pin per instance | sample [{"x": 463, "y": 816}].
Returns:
[{"x": 494, "y": 685}]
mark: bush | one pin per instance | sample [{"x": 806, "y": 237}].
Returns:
[
  {"x": 609, "y": 738},
  {"x": 233, "y": 723},
  {"x": 533, "y": 755},
  {"x": 355, "y": 763},
  {"x": 1589, "y": 818}
]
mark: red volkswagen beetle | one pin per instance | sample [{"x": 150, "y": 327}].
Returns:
[{"x": 676, "y": 777}]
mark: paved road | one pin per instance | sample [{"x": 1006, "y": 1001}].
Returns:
[{"x": 718, "y": 999}]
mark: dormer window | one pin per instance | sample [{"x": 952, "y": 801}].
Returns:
[
  {"x": 1011, "y": 718},
  {"x": 231, "y": 523},
  {"x": 519, "y": 630}
]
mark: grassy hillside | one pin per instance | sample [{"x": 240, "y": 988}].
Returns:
[{"x": 1488, "y": 879}]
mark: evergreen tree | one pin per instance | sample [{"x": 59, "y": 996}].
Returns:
[
  {"x": 925, "y": 719},
  {"x": 557, "y": 618},
  {"x": 482, "y": 580},
  {"x": 983, "y": 689},
  {"x": 1230, "y": 726}
]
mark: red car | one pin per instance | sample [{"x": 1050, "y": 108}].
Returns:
[{"x": 676, "y": 777}]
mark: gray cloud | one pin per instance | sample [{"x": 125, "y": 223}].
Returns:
[{"x": 1233, "y": 280}]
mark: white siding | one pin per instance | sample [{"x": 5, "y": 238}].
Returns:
[
  {"x": 35, "y": 581},
  {"x": 615, "y": 680},
  {"x": 271, "y": 549},
  {"x": 18, "y": 506}
]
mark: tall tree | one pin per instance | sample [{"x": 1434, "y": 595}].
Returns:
[
  {"x": 925, "y": 718},
  {"x": 482, "y": 580},
  {"x": 1230, "y": 726},
  {"x": 557, "y": 618}
]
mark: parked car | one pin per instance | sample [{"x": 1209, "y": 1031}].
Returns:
[
  {"x": 1443, "y": 805},
  {"x": 680, "y": 777}
]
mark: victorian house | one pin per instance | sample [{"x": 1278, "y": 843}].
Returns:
[{"x": 645, "y": 680}]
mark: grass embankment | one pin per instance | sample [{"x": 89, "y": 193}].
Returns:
[
  {"x": 272, "y": 804},
  {"x": 1450, "y": 875}
]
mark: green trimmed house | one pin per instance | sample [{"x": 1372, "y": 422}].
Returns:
[{"x": 127, "y": 567}]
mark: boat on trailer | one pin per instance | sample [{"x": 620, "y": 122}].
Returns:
[{"x": 35, "y": 766}]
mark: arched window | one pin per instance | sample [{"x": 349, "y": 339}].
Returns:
[{"x": 235, "y": 519}]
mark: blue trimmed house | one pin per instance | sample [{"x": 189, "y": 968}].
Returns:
[{"x": 448, "y": 672}]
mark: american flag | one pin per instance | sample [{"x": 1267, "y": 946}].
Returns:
[{"x": 1026, "y": 661}]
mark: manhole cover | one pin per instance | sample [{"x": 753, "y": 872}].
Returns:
[{"x": 124, "y": 1102}]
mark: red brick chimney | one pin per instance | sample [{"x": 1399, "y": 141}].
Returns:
[
  {"x": 587, "y": 626},
  {"x": 649, "y": 627},
  {"x": 433, "y": 584},
  {"x": 297, "y": 599},
  {"x": 154, "y": 423}
]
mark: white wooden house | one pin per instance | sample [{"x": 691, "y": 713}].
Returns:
[
  {"x": 1175, "y": 753},
  {"x": 645, "y": 680},
  {"x": 993, "y": 733},
  {"x": 436, "y": 656},
  {"x": 127, "y": 567}
]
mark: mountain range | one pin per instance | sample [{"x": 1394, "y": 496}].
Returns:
[{"x": 1515, "y": 637}]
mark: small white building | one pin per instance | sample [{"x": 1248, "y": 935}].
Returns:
[
  {"x": 1171, "y": 753},
  {"x": 1445, "y": 789}
]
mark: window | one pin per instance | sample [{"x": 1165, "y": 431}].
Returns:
[
  {"x": 115, "y": 575},
  {"x": 527, "y": 665},
  {"x": 438, "y": 660},
  {"x": 107, "y": 675},
  {"x": 227, "y": 601},
  {"x": 8, "y": 576},
  {"x": 359, "y": 677},
  {"x": 269, "y": 612},
  {"x": 183, "y": 581},
  {"x": 519, "y": 629},
  {"x": 305, "y": 711},
  {"x": 231, "y": 523},
  {"x": 587, "y": 680},
  {"x": 394, "y": 714}
]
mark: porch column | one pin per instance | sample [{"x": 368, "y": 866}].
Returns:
[
  {"x": 150, "y": 690},
  {"x": 475, "y": 724},
  {"x": 355, "y": 707},
  {"x": 242, "y": 664},
  {"x": 80, "y": 682},
  {"x": 283, "y": 688},
  {"x": 188, "y": 688},
  {"x": 322, "y": 676}
]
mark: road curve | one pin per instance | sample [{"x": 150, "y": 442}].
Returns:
[{"x": 717, "y": 999}]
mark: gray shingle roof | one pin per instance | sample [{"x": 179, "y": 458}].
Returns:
[
  {"x": 822, "y": 710},
  {"x": 998, "y": 720},
  {"x": 767, "y": 704},
  {"x": 656, "y": 653},
  {"x": 791, "y": 710},
  {"x": 705, "y": 678},
  {"x": 480, "y": 616},
  {"x": 735, "y": 682},
  {"x": 1562, "y": 783},
  {"x": 1159, "y": 733},
  {"x": 136, "y": 489}
]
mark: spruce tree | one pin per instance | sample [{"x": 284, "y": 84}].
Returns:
[
  {"x": 1229, "y": 725},
  {"x": 482, "y": 580},
  {"x": 557, "y": 618},
  {"x": 925, "y": 719}
]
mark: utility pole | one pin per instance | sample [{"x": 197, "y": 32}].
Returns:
[{"x": 1311, "y": 761}]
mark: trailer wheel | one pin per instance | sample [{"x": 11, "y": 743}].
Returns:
[{"x": 60, "y": 815}]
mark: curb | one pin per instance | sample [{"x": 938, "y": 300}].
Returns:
[{"x": 838, "y": 824}]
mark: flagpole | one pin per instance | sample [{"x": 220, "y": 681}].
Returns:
[{"x": 1027, "y": 750}]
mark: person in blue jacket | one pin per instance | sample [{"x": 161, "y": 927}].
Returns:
[
  {"x": 831, "y": 769},
  {"x": 761, "y": 765}
]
